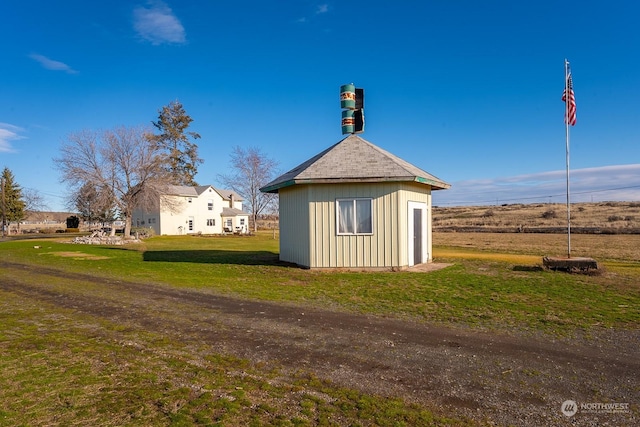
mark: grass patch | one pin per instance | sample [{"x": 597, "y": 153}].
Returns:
[
  {"x": 59, "y": 366},
  {"x": 484, "y": 288}
]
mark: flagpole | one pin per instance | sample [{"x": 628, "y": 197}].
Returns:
[{"x": 566, "y": 116}]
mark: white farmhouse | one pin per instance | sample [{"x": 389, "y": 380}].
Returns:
[{"x": 195, "y": 210}]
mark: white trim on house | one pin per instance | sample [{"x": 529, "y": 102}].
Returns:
[{"x": 352, "y": 226}]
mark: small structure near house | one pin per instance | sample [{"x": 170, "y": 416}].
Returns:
[
  {"x": 195, "y": 210},
  {"x": 355, "y": 206},
  {"x": 583, "y": 264}
]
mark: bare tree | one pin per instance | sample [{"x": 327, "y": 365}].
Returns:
[
  {"x": 34, "y": 204},
  {"x": 122, "y": 164},
  {"x": 252, "y": 169},
  {"x": 33, "y": 201},
  {"x": 35, "y": 207},
  {"x": 88, "y": 202}
]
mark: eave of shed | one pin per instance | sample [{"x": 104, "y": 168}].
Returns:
[{"x": 354, "y": 159}]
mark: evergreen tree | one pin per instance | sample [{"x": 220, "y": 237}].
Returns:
[
  {"x": 12, "y": 203},
  {"x": 181, "y": 155}
]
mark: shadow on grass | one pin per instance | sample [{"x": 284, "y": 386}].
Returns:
[
  {"x": 216, "y": 257},
  {"x": 528, "y": 268}
]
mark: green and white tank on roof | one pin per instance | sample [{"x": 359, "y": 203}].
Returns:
[{"x": 352, "y": 103}]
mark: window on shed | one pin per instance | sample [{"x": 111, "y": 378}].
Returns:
[{"x": 354, "y": 216}]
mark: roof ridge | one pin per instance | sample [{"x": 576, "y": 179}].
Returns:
[
  {"x": 398, "y": 160},
  {"x": 349, "y": 161}
]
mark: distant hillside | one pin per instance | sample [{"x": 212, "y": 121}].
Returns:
[
  {"x": 603, "y": 217},
  {"x": 46, "y": 216}
]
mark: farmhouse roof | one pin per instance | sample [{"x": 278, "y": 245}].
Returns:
[
  {"x": 232, "y": 212},
  {"x": 354, "y": 159},
  {"x": 226, "y": 194},
  {"x": 185, "y": 190}
]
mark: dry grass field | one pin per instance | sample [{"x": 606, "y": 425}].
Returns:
[
  {"x": 603, "y": 217},
  {"x": 602, "y": 247}
]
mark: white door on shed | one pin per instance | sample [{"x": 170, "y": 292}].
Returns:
[{"x": 417, "y": 233}]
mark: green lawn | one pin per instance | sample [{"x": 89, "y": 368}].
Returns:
[
  {"x": 59, "y": 366},
  {"x": 480, "y": 288}
]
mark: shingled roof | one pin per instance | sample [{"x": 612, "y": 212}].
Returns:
[
  {"x": 187, "y": 191},
  {"x": 354, "y": 159}
]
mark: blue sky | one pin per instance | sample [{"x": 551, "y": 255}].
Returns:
[{"x": 467, "y": 90}]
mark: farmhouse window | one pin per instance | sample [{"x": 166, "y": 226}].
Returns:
[
  {"x": 211, "y": 222},
  {"x": 210, "y": 205},
  {"x": 354, "y": 216}
]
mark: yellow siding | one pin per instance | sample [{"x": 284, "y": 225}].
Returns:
[
  {"x": 294, "y": 225},
  {"x": 308, "y": 234},
  {"x": 385, "y": 248}
]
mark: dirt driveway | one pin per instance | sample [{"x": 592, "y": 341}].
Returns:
[{"x": 497, "y": 377}]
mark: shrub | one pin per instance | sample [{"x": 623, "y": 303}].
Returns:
[
  {"x": 549, "y": 214},
  {"x": 143, "y": 232},
  {"x": 614, "y": 218}
]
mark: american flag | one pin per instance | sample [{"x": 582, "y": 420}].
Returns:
[{"x": 570, "y": 100}]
